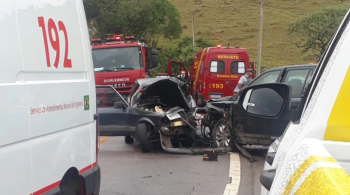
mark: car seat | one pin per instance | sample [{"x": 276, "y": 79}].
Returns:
[{"x": 297, "y": 86}]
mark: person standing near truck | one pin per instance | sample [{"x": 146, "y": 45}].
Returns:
[{"x": 245, "y": 79}]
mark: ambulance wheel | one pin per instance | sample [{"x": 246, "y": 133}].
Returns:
[
  {"x": 70, "y": 184},
  {"x": 128, "y": 139},
  {"x": 221, "y": 134},
  {"x": 143, "y": 134},
  {"x": 66, "y": 191}
]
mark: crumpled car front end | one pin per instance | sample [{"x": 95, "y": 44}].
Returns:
[{"x": 177, "y": 131}]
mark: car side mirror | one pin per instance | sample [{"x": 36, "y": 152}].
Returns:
[
  {"x": 120, "y": 104},
  {"x": 154, "y": 61},
  {"x": 154, "y": 58},
  {"x": 268, "y": 100}
]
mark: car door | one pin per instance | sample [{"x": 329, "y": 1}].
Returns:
[
  {"x": 298, "y": 79},
  {"x": 113, "y": 112},
  {"x": 250, "y": 126}
]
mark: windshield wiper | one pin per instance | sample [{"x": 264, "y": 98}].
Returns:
[
  {"x": 126, "y": 68},
  {"x": 104, "y": 70}
]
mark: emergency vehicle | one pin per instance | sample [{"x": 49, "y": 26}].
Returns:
[
  {"x": 120, "y": 61},
  {"x": 48, "y": 121},
  {"x": 216, "y": 70},
  {"x": 322, "y": 115}
]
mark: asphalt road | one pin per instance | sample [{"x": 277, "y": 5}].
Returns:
[
  {"x": 250, "y": 174},
  {"x": 128, "y": 171}
]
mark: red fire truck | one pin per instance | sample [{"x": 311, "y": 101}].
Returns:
[
  {"x": 119, "y": 61},
  {"x": 216, "y": 70}
]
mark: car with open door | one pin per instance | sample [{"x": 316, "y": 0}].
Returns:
[
  {"x": 232, "y": 126},
  {"x": 161, "y": 112}
]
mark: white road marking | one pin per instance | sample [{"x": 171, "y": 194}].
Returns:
[{"x": 235, "y": 174}]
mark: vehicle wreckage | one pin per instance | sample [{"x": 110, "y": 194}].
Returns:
[{"x": 158, "y": 110}]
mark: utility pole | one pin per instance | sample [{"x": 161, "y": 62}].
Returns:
[
  {"x": 260, "y": 38},
  {"x": 194, "y": 40}
]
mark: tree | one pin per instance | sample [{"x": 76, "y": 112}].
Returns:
[
  {"x": 150, "y": 19},
  {"x": 100, "y": 15},
  {"x": 313, "y": 32},
  {"x": 183, "y": 52}
]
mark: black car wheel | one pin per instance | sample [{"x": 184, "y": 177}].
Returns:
[
  {"x": 221, "y": 134},
  {"x": 128, "y": 139},
  {"x": 143, "y": 133}
]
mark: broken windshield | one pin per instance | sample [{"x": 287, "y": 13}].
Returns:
[{"x": 117, "y": 59}]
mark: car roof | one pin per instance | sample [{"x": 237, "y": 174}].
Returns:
[
  {"x": 148, "y": 81},
  {"x": 293, "y": 66}
]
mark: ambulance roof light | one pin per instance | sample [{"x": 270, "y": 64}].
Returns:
[{"x": 219, "y": 46}]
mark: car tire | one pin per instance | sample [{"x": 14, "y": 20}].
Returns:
[
  {"x": 143, "y": 137},
  {"x": 233, "y": 145},
  {"x": 128, "y": 139},
  {"x": 221, "y": 133}
]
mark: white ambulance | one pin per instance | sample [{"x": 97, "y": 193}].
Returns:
[
  {"x": 323, "y": 115},
  {"x": 48, "y": 121}
]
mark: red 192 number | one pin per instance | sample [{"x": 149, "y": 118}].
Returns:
[{"x": 55, "y": 43}]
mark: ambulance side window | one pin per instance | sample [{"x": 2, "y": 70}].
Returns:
[
  {"x": 237, "y": 67},
  {"x": 217, "y": 67}
]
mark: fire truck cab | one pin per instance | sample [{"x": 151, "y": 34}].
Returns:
[
  {"x": 119, "y": 61},
  {"x": 216, "y": 70}
]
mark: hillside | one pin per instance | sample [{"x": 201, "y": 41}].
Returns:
[{"x": 237, "y": 22}]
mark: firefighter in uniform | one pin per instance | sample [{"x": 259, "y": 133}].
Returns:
[{"x": 244, "y": 80}]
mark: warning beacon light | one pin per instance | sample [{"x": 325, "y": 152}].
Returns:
[
  {"x": 219, "y": 46},
  {"x": 95, "y": 41},
  {"x": 118, "y": 37},
  {"x": 129, "y": 38}
]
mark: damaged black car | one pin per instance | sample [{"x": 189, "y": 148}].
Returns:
[
  {"x": 159, "y": 111},
  {"x": 238, "y": 116}
]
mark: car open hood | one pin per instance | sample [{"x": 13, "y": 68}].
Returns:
[{"x": 169, "y": 92}]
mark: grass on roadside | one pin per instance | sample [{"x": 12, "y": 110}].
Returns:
[{"x": 237, "y": 22}]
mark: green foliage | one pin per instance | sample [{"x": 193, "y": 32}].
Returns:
[
  {"x": 142, "y": 18},
  {"x": 313, "y": 33},
  {"x": 183, "y": 52}
]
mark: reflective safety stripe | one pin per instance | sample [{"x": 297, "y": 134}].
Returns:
[
  {"x": 338, "y": 127},
  {"x": 302, "y": 168},
  {"x": 325, "y": 181}
]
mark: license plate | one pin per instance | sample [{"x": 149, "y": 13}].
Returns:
[{"x": 215, "y": 96}]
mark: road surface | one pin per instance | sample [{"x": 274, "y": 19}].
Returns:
[{"x": 127, "y": 171}]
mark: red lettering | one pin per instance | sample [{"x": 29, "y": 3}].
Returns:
[
  {"x": 55, "y": 43},
  {"x": 67, "y": 62},
  {"x": 42, "y": 25}
]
